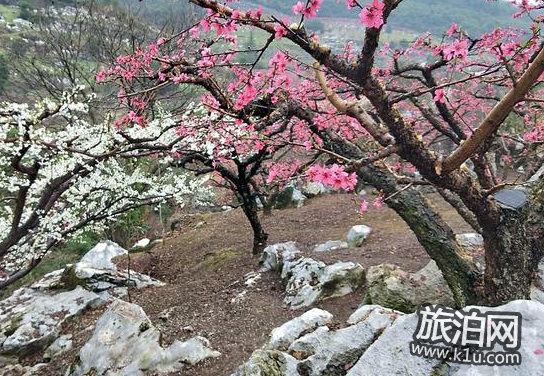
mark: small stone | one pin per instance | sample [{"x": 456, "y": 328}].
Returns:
[
  {"x": 357, "y": 235},
  {"x": 331, "y": 245},
  {"x": 470, "y": 240}
]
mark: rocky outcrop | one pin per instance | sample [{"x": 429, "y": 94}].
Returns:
[
  {"x": 313, "y": 189},
  {"x": 97, "y": 272},
  {"x": 283, "y": 336},
  {"x": 30, "y": 319},
  {"x": 125, "y": 343},
  {"x": 313, "y": 348},
  {"x": 274, "y": 256},
  {"x": 375, "y": 342},
  {"x": 309, "y": 281},
  {"x": 392, "y": 287}
]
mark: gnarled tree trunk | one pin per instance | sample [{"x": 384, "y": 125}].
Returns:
[
  {"x": 514, "y": 249},
  {"x": 251, "y": 210}
]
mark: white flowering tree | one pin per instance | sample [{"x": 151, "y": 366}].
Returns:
[{"x": 60, "y": 175}]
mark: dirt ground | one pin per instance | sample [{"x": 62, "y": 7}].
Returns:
[{"x": 205, "y": 261}]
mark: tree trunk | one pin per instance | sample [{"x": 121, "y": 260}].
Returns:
[
  {"x": 513, "y": 250},
  {"x": 251, "y": 210},
  {"x": 433, "y": 234}
]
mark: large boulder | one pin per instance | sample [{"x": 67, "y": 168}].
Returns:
[
  {"x": 97, "y": 272},
  {"x": 288, "y": 197},
  {"x": 330, "y": 352},
  {"x": 392, "y": 287},
  {"x": 376, "y": 341},
  {"x": 357, "y": 235},
  {"x": 309, "y": 281},
  {"x": 274, "y": 256},
  {"x": 125, "y": 343},
  {"x": 30, "y": 319}
]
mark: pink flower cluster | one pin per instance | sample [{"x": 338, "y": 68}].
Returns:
[
  {"x": 456, "y": 50},
  {"x": 377, "y": 203},
  {"x": 281, "y": 30},
  {"x": 282, "y": 171},
  {"x": 440, "y": 96},
  {"x": 372, "y": 14},
  {"x": 334, "y": 176},
  {"x": 308, "y": 12}
]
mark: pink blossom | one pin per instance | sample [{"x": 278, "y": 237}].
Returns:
[
  {"x": 456, "y": 50},
  {"x": 452, "y": 30},
  {"x": 100, "y": 76},
  {"x": 298, "y": 8},
  {"x": 372, "y": 14},
  {"x": 440, "y": 96},
  {"x": 539, "y": 351},
  {"x": 281, "y": 30},
  {"x": 310, "y": 11},
  {"x": 363, "y": 207},
  {"x": 378, "y": 202}
]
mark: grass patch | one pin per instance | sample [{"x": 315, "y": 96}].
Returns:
[
  {"x": 214, "y": 261},
  {"x": 9, "y": 12}
]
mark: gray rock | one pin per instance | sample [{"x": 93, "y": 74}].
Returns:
[
  {"x": 310, "y": 281},
  {"x": 268, "y": 363},
  {"x": 19, "y": 370},
  {"x": 392, "y": 287},
  {"x": 331, "y": 245},
  {"x": 327, "y": 352},
  {"x": 60, "y": 345},
  {"x": 289, "y": 197},
  {"x": 99, "y": 258},
  {"x": 283, "y": 336},
  {"x": 357, "y": 235},
  {"x": 97, "y": 272},
  {"x": 390, "y": 353},
  {"x": 31, "y": 319},
  {"x": 312, "y": 189},
  {"x": 125, "y": 343},
  {"x": 376, "y": 343},
  {"x": 274, "y": 256},
  {"x": 532, "y": 339},
  {"x": 252, "y": 278},
  {"x": 470, "y": 240}
]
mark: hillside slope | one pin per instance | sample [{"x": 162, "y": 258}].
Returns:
[{"x": 436, "y": 16}]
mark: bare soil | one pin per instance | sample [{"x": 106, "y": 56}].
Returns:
[{"x": 205, "y": 261}]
